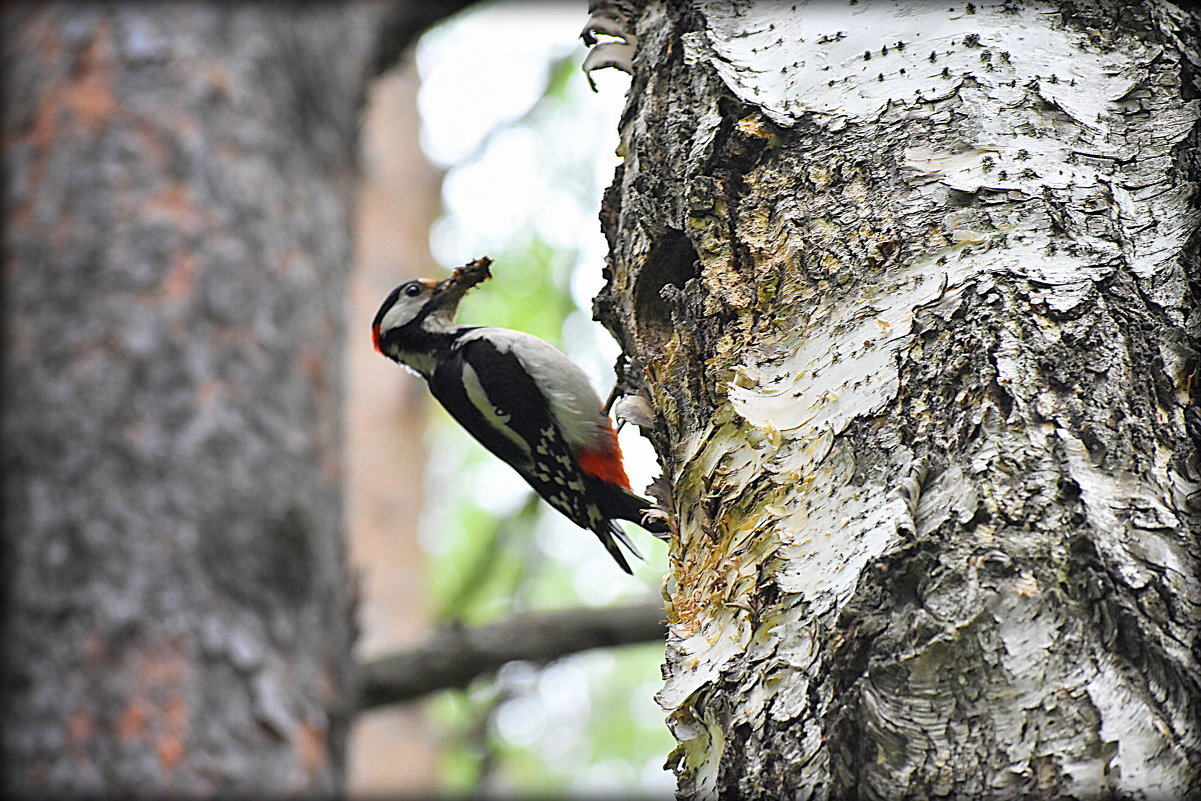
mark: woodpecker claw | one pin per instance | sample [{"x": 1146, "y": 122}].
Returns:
[
  {"x": 634, "y": 409},
  {"x": 657, "y": 514}
]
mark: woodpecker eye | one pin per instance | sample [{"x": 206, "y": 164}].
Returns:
[{"x": 413, "y": 290}]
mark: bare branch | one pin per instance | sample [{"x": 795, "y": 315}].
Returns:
[{"x": 455, "y": 655}]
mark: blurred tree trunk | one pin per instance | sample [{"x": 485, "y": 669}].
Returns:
[
  {"x": 399, "y": 200},
  {"x": 914, "y": 294},
  {"x": 178, "y": 197}
]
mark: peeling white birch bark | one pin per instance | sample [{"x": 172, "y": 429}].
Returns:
[{"x": 1047, "y": 176}]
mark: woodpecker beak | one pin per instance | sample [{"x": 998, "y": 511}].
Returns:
[
  {"x": 446, "y": 294},
  {"x": 449, "y": 291}
]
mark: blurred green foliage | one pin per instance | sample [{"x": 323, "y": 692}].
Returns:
[
  {"x": 529, "y": 290},
  {"x": 587, "y": 723}
]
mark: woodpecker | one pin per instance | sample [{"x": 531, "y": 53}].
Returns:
[{"x": 522, "y": 398}]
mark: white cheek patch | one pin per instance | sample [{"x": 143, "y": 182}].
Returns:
[
  {"x": 496, "y": 418},
  {"x": 402, "y": 312}
]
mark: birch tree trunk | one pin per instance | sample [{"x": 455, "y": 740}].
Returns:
[{"x": 913, "y": 292}]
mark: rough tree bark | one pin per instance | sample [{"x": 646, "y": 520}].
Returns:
[
  {"x": 178, "y": 193},
  {"x": 399, "y": 199},
  {"x": 912, "y": 289}
]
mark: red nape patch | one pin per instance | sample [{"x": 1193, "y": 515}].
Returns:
[
  {"x": 605, "y": 462},
  {"x": 375, "y": 339}
]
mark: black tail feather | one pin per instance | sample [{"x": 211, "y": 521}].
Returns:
[
  {"x": 609, "y": 537},
  {"x": 621, "y": 504},
  {"x": 624, "y": 539}
]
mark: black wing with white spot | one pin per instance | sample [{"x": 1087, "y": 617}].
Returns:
[
  {"x": 482, "y": 400},
  {"x": 489, "y": 393}
]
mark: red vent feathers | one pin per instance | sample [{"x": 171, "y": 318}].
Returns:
[{"x": 604, "y": 462}]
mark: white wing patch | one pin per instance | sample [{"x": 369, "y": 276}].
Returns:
[{"x": 480, "y": 400}]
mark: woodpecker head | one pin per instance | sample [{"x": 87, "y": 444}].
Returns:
[{"x": 419, "y": 310}]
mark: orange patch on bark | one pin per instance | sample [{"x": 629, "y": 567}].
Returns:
[
  {"x": 38, "y": 35},
  {"x": 132, "y": 724},
  {"x": 311, "y": 365},
  {"x": 162, "y": 665},
  {"x": 21, "y": 216},
  {"x": 89, "y": 96},
  {"x": 176, "y": 712},
  {"x": 173, "y": 202},
  {"x": 209, "y": 390},
  {"x": 169, "y": 748},
  {"x": 311, "y": 747},
  {"x": 605, "y": 462},
  {"x": 64, "y": 227},
  {"x": 219, "y": 78},
  {"x": 151, "y": 146},
  {"x": 35, "y": 775},
  {"x": 91, "y": 101},
  {"x": 163, "y": 673},
  {"x": 80, "y": 726},
  {"x": 170, "y": 744},
  {"x": 93, "y": 650},
  {"x": 178, "y": 283},
  {"x": 45, "y": 132}
]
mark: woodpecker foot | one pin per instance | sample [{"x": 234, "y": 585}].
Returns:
[{"x": 659, "y": 524}]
